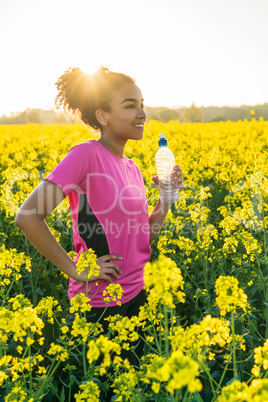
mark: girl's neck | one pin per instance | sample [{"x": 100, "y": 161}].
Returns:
[{"x": 114, "y": 147}]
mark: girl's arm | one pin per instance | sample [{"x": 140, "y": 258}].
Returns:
[
  {"x": 160, "y": 211},
  {"x": 31, "y": 220}
]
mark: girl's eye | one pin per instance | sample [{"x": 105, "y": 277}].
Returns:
[{"x": 132, "y": 106}]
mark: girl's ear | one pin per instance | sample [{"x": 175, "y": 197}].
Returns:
[{"x": 101, "y": 117}]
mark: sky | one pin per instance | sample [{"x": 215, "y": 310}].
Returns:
[{"x": 210, "y": 52}]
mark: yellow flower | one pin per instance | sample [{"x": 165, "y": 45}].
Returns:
[
  {"x": 87, "y": 262},
  {"x": 19, "y": 301},
  {"x": 211, "y": 356},
  {"x": 196, "y": 339},
  {"x": 229, "y": 295},
  {"x": 83, "y": 328},
  {"x": 155, "y": 387},
  {"x": 48, "y": 306},
  {"x": 113, "y": 291},
  {"x": 11, "y": 264},
  {"x": 259, "y": 390},
  {"x": 238, "y": 391},
  {"x": 163, "y": 282},
  {"x": 29, "y": 341},
  {"x": 235, "y": 392},
  {"x": 41, "y": 341},
  {"x": 124, "y": 328},
  {"x": 3, "y": 377},
  {"x": 41, "y": 370},
  {"x": 178, "y": 371},
  {"x": 256, "y": 370},
  {"x": 17, "y": 394},
  {"x": 64, "y": 329},
  {"x": 125, "y": 384},
  {"x": 102, "y": 345},
  {"x": 88, "y": 392},
  {"x": 20, "y": 349},
  {"x": 59, "y": 351},
  {"x": 261, "y": 355},
  {"x": 19, "y": 321},
  {"x": 118, "y": 361},
  {"x": 80, "y": 303}
]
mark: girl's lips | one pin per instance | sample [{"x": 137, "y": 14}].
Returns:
[{"x": 138, "y": 125}]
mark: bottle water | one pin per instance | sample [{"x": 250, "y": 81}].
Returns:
[{"x": 165, "y": 161}]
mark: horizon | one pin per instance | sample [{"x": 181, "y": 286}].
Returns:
[{"x": 153, "y": 107}]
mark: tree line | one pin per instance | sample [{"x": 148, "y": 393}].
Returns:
[
  {"x": 194, "y": 114},
  {"x": 190, "y": 114},
  {"x": 38, "y": 116}
]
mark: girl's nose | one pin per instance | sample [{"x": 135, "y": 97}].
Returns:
[{"x": 141, "y": 113}]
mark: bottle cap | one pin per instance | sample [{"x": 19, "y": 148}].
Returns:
[{"x": 162, "y": 140}]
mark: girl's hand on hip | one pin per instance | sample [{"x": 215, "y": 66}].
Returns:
[{"x": 106, "y": 268}]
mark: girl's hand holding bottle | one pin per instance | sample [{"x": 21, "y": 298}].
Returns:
[
  {"x": 168, "y": 181},
  {"x": 176, "y": 179}
]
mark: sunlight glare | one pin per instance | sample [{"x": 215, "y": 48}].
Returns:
[{"x": 89, "y": 68}]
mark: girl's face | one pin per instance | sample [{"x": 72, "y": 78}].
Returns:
[{"x": 126, "y": 117}]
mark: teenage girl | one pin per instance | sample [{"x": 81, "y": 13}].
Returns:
[{"x": 105, "y": 189}]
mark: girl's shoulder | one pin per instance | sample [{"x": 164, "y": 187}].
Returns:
[{"x": 84, "y": 148}]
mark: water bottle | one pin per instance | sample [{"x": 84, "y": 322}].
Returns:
[{"x": 165, "y": 161}]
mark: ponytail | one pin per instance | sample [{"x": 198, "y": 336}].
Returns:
[{"x": 83, "y": 94}]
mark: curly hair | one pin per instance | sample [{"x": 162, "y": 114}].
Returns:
[{"x": 84, "y": 94}]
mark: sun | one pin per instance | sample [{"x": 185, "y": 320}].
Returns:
[{"x": 89, "y": 68}]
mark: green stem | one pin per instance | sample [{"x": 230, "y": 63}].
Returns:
[
  {"x": 30, "y": 369},
  {"x": 49, "y": 375},
  {"x": 266, "y": 317},
  {"x": 176, "y": 396},
  {"x": 265, "y": 293},
  {"x": 171, "y": 321},
  {"x": 222, "y": 377},
  {"x": 211, "y": 380},
  {"x": 260, "y": 271},
  {"x": 100, "y": 317},
  {"x": 185, "y": 396},
  {"x": 84, "y": 359},
  {"x": 166, "y": 332},
  {"x": 148, "y": 344},
  {"x": 205, "y": 270},
  {"x": 158, "y": 344},
  {"x": 70, "y": 390},
  {"x": 6, "y": 295},
  {"x": 186, "y": 273},
  {"x": 264, "y": 230},
  {"x": 233, "y": 345},
  {"x": 265, "y": 252},
  {"x": 159, "y": 333},
  {"x": 87, "y": 285},
  {"x": 2, "y": 347}
]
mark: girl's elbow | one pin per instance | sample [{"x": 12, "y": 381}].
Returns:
[
  {"x": 19, "y": 218},
  {"x": 22, "y": 219}
]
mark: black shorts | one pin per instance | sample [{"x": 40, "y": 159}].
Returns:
[{"x": 129, "y": 309}]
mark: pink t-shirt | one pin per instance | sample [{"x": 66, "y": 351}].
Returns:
[{"x": 109, "y": 212}]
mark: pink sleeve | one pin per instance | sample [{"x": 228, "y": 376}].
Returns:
[{"x": 70, "y": 172}]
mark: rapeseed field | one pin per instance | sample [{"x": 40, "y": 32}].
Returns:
[{"x": 205, "y": 325}]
